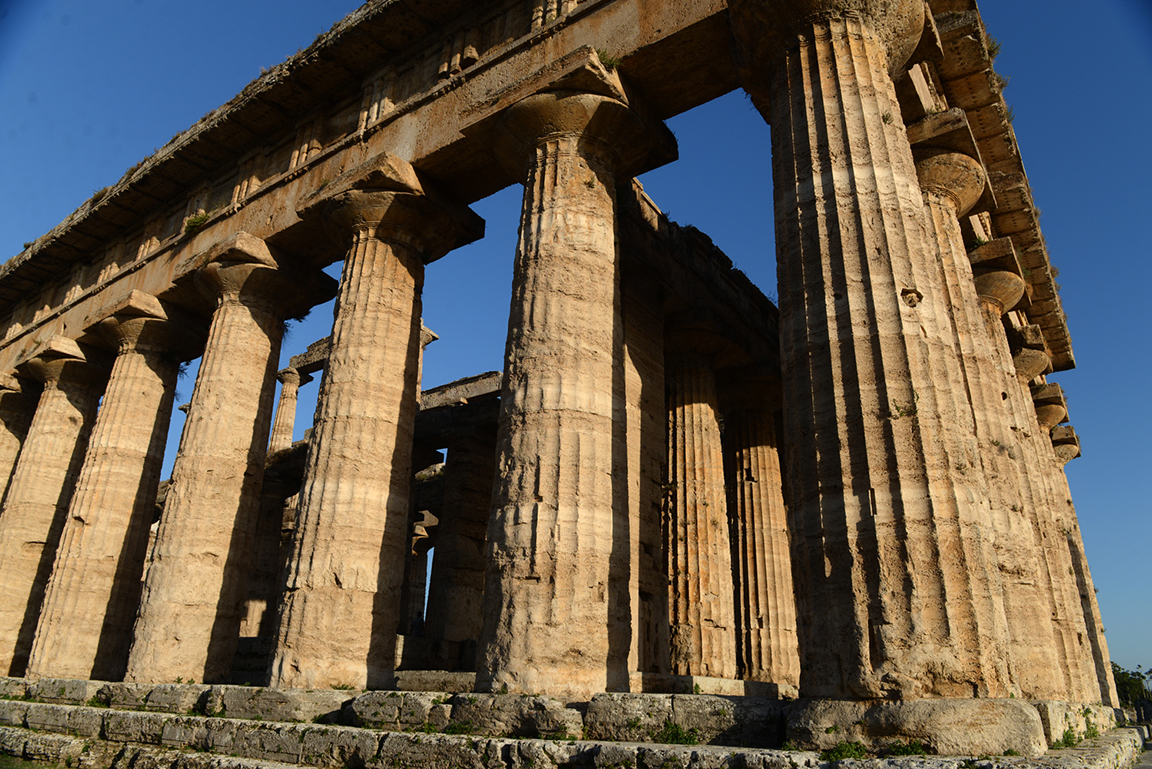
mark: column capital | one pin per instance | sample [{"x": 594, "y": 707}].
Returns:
[
  {"x": 385, "y": 198},
  {"x": 243, "y": 269},
  {"x": 763, "y": 28},
  {"x": 293, "y": 377},
  {"x": 956, "y": 177},
  {"x": 62, "y": 359},
  {"x": 142, "y": 322},
  {"x": 601, "y": 125}
]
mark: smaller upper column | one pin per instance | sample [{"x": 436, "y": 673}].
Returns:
[{"x": 285, "y": 422}]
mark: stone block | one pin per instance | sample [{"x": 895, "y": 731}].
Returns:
[
  {"x": 336, "y": 746},
  {"x": 63, "y": 690},
  {"x": 268, "y": 742},
  {"x": 13, "y": 688},
  {"x": 13, "y": 712},
  {"x": 398, "y": 710},
  {"x": 435, "y": 681},
  {"x": 515, "y": 715},
  {"x": 944, "y": 726},
  {"x": 286, "y": 705},
  {"x": 179, "y": 698},
  {"x": 86, "y": 722},
  {"x": 185, "y": 732},
  {"x": 740, "y": 721},
  {"x": 420, "y": 750},
  {"x": 627, "y": 717},
  {"x": 131, "y": 696},
  {"x": 127, "y": 726},
  {"x": 47, "y": 717}
]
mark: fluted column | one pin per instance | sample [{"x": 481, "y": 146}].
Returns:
[
  {"x": 285, "y": 421},
  {"x": 550, "y": 538},
  {"x": 40, "y": 489},
  {"x": 17, "y": 405},
  {"x": 190, "y": 610},
  {"x": 979, "y": 295},
  {"x": 85, "y": 626},
  {"x": 894, "y": 591},
  {"x": 340, "y": 611},
  {"x": 701, "y": 613},
  {"x": 765, "y": 601}
]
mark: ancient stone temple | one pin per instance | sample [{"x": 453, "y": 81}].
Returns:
[{"x": 856, "y": 499}]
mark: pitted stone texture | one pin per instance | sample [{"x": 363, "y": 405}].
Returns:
[
  {"x": 516, "y": 715},
  {"x": 885, "y": 511},
  {"x": 548, "y": 625},
  {"x": 944, "y": 726},
  {"x": 399, "y": 711},
  {"x": 341, "y": 606},
  {"x": 63, "y": 690},
  {"x": 85, "y": 626},
  {"x": 190, "y": 608},
  {"x": 712, "y": 720},
  {"x": 1061, "y": 717},
  {"x": 281, "y": 704},
  {"x": 36, "y": 504}
]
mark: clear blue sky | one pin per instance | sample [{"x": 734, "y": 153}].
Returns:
[{"x": 87, "y": 89}]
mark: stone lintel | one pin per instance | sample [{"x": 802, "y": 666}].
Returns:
[
  {"x": 698, "y": 330},
  {"x": 752, "y": 384},
  {"x": 486, "y": 385},
  {"x": 314, "y": 359},
  {"x": 441, "y": 425},
  {"x": 950, "y": 130}
]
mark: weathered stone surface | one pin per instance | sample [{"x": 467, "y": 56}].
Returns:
[
  {"x": 281, "y": 704},
  {"x": 516, "y": 715},
  {"x": 548, "y": 624},
  {"x": 945, "y": 726},
  {"x": 398, "y": 710}
]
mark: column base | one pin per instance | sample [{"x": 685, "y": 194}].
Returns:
[
  {"x": 957, "y": 727},
  {"x": 664, "y": 683}
]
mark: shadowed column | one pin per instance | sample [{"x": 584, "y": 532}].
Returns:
[
  {"x": 85, "y": 626},
  {"x": 701, "y": 612},
  {"x": 41, "y": 487},
  {"x": 550, "y": 537},
  {"x": 765, "y": 600},
  {"x": 190, "y": 610},
  {"x": 340, "y": 611}
]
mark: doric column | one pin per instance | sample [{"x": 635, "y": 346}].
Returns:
[
  {"x": 340, "y": 611},
  {"x": 85, "y": 626},
  {"x": 41, "y": 487},
  {"x": 701, "y": 614},
  {"x": 282, "y": 426},
  {"x": 190, "y": 610},
  {"x": 886, "y": 508},
  {"x": 17, "y": 405},
  {"x": 765, "y": 601},
  {"x": 456, "y": 596},
  {"x": 550, "y": 538}
]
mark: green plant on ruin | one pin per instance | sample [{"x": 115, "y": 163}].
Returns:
[
  {"x": 194, "y": 223},
  {"x": 674, "y": 734},
  {"x": 610, "y": 62},
  {"x": 844, "y": 750}
]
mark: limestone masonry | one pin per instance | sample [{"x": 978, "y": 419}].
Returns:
[{"x": 673, "y": 489}]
